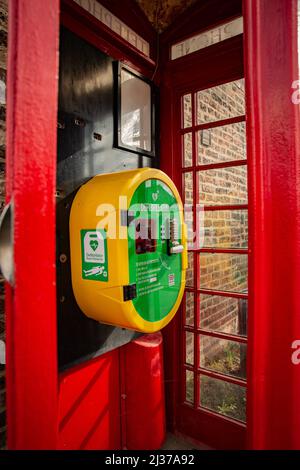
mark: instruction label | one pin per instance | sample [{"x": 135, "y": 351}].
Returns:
[
  {"x": 94, "y": 255},
  {"x": 148, "y": 277}
]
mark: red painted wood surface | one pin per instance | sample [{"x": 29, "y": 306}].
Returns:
[
  {"x": 144, "y": 393},
  {"x": 274, "y": 155},
  {"x": 89, "y": 405},
  {"x": 31, "y": 176}
]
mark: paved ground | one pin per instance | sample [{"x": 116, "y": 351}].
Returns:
[{"x": 180, "y": 443}]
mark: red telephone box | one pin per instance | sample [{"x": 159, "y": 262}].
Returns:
[{"x": 260, "y": 64}]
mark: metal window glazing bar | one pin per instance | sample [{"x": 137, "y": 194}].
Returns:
[
  {"x": 236, "y": 295},
  {"x": 232, "y": 207},
  {"x": 234, "y": 251},
  {"x": 217, "y": 375},
  {"x": 227, "y": 378},
  {"x": 215, "y": 166},
  {"x": 194, "y": 159},
  {"x": 217, "y": 334},
  {"x": 213, "y": 124}
]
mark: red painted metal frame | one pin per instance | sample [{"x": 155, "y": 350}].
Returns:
[
  {"x": 122, "y": 374},
  {"x": 82, "y": 23},
  {"x": 236, "y": 295},
  {"x": 144, "y": 393},
  {"x": 211, "y": 125},
  {"x": 274, "y": 155},
  {"x": 114, "y": 401},
  {"x": 220, "y": 432},
  {"x": 89, "y": 408},
  {"x": 196, "y": 330},
  {"x": 230, "y": 251},
  {"x": 186, "y": 78},
  {"x": 130, "y": 13},
  {"x": 218, "y": 334},
  {"x": 229, "y": 207},
  {"x": 31, "y": 178},
  {"x": 273, "y": 149},
  {"x": 200, "y": 16},
  {"x": 215, "y": 166}
]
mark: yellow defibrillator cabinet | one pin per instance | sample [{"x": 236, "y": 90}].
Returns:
[{"x": 128, "y": 249}]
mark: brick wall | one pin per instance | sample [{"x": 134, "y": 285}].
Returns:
[{"x": 3, "y": 57}]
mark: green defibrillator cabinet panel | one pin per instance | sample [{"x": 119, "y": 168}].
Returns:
[{"x": 128, "y": 249}]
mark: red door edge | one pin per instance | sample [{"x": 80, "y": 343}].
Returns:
[
  {"x": 271, "y": 66},
  {"x": 31, "y": 177}
]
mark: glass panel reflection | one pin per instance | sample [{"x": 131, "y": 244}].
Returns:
[
  {"x": 221, "y": 102},
  {"x": 222, "y": 144},
  {"x": 225, "y": 314},
  {"x": 135, "y": 111},
  {"x": 224, "y": 272},
  {"x": 189, "y": 386},
  {"x": 223, "y": 186},
  {"x": 223, "y": 397},
  {"x": 188, "y": 201},
  {"x": 189, "y": 308},
  {"x": 223, "y": 356},
  {"x": 226, "y": 229},
  {"x": 187, "y": 150},
  {"x": 207, "y": 38},
  {"x": 187, "y": 110},
  {"x": 189, "y": 347},
  {"x": 190, "y": 270}
]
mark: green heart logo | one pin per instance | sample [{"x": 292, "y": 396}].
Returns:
[{"x": 94, "y": 245}]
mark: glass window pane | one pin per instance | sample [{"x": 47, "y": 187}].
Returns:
[
  {"x": 225, "y": 272},
  {"x": 221, "y": 102},
  {"x": 187, "y": 150},
  {"x": 188, "y": 206},
  {"x": 188, "y": 188},
  {"x": 189, "y": 347},
  {"x": 190, "y": 270},
  {"x": 223, "y": 186},
  {"x": 187, "y": 110},
  {"x": 226, "y": 229},
  {"x": 207, "y": 38},
  {"x": 221, "y": 144},
  {"x": 223, "y": 397},
  {"x": 225, "y": 314},
  {"x": 135, "y": 111},
  {"x": 189, "y": 386},
  {"x": 189, "y": 308},
  {"x": 223, "y": 356}
]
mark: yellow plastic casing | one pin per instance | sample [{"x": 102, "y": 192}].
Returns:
[{"x": 103, "y": 301}]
